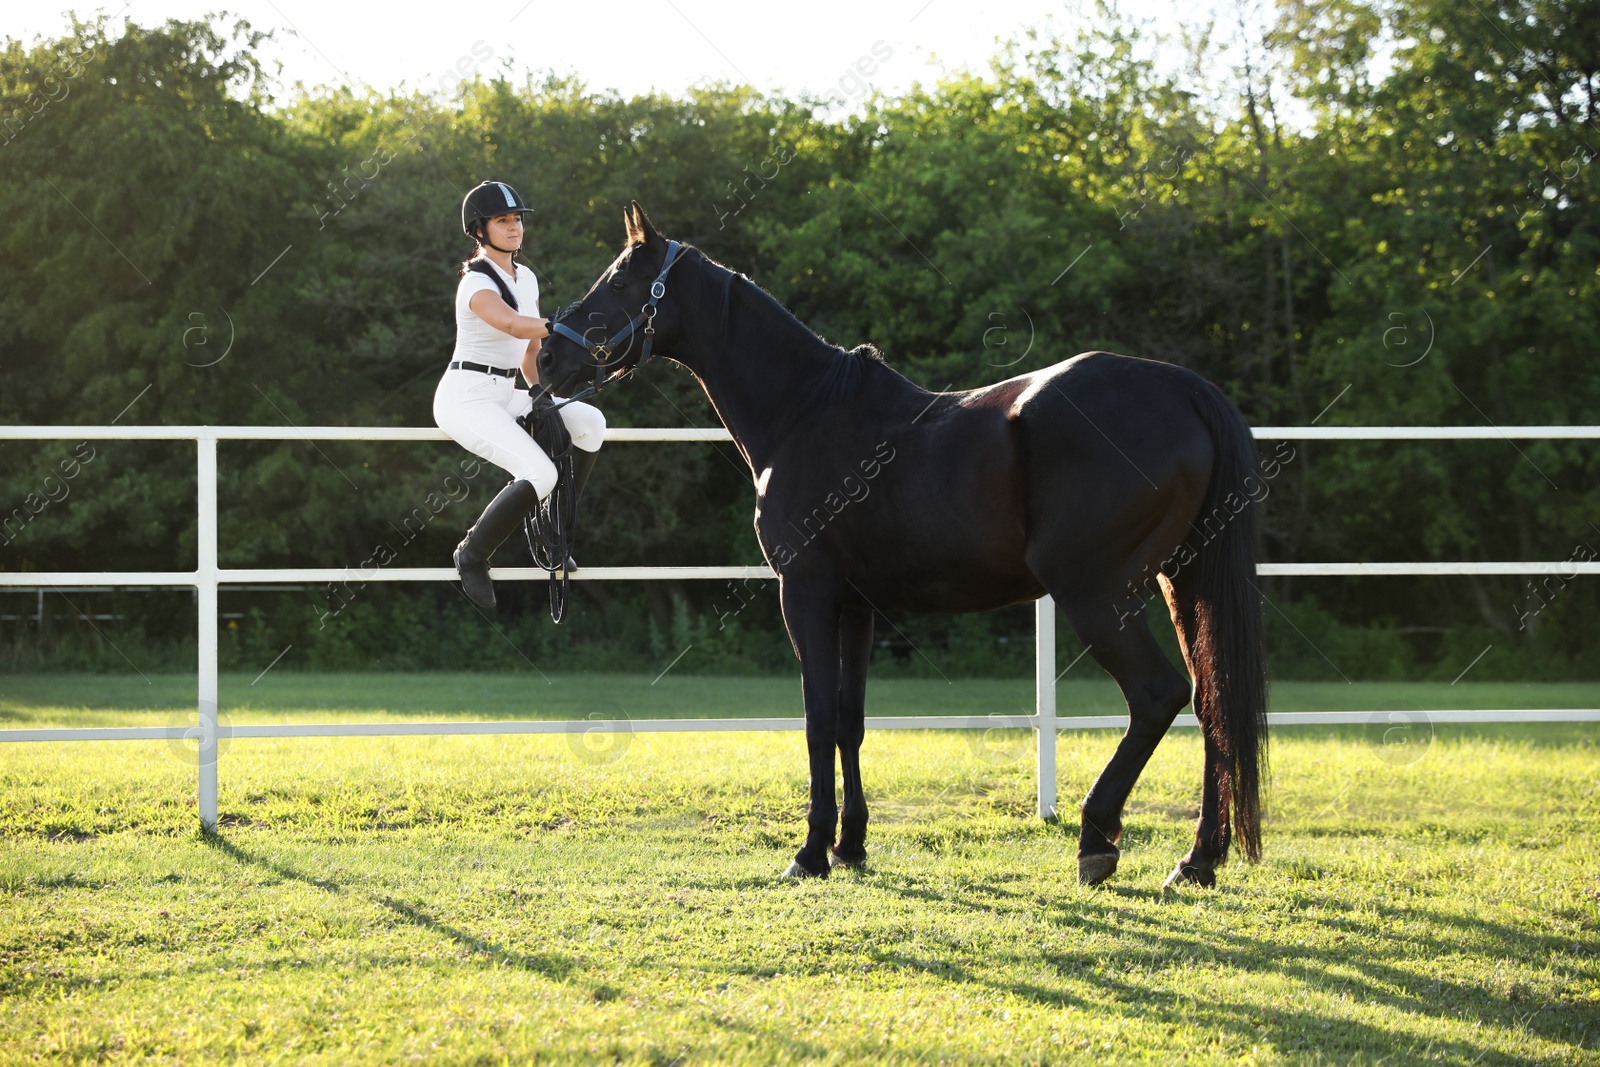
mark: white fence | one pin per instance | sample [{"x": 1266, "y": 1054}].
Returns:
[{"x": 208, "y": 576}]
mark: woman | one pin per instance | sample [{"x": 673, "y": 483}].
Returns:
[{"x": 477, "y": 403}]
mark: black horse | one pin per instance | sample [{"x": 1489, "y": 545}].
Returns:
[{"x": 1092, "y": 480}]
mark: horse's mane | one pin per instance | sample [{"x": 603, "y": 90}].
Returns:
[{"x": 840, "y": 377}]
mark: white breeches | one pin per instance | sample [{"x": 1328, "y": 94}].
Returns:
[{"x": 479, "y": 411}]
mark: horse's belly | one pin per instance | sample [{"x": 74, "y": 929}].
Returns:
[{"x": 956, "y": 586}]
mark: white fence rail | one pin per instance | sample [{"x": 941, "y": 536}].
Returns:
[{"x": 207, "y": 576}]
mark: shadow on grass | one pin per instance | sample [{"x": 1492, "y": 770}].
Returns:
[
  {"x": 1375, "y": 968},
  {"x": 548, "y": 964}
]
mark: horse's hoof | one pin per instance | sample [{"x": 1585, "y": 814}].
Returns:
[
  {"x": 851, "y": 862},
  {"x": 795, "y": 870},
  {"x": 1097, "y": 867},
  {"x": 1185, "y": 872}
]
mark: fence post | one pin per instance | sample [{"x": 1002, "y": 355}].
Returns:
[
  {"x": 1044, "y": 669},
  {"x": 206, "y": 584}
]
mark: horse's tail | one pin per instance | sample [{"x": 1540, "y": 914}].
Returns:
[{"x": 1226, "y": 647}]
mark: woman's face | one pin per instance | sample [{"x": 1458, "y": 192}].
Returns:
[{"x": 506, "y": 231}]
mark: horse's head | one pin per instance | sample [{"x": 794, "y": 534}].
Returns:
[{"x": 616, "y": 325}]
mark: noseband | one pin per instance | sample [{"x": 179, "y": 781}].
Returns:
[{"x": 601, "y": 352}]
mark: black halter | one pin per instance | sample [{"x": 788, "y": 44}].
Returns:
[{"x": 603, "y": 351}]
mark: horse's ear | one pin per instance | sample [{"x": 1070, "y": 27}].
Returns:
[{"x": 640, "y": 231}]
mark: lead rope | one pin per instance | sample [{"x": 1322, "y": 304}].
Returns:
[{"x": 551, "y": 526}]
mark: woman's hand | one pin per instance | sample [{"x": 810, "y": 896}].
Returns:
[{"x": 497, "y": 313}]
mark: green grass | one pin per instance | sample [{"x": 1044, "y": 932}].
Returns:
[
  {"x": 287, "y": 696},
  {"x": 496, "y": 900}
]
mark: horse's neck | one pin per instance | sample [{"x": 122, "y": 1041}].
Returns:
[{"x": 757, "y": 372}]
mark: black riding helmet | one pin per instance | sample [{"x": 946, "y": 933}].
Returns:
[{"x": 485, "y": 201}]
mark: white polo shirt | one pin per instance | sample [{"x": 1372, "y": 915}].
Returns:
[{"x": 476, "y": 340}]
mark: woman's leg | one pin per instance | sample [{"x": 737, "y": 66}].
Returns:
[
  {"x": 585, "y": 424},
  {"x": 479, "y": 412},
  {"x": 473, "y": 408}
]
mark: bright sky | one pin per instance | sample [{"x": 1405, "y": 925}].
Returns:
[{"x": 628, "y": 45}]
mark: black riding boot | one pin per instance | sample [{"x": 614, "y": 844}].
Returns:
[
  {"x": 582, "y": 464},
  {"x": 502, "y": 516}
]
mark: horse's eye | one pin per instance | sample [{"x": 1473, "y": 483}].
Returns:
[{"x": 619, "y": 283}]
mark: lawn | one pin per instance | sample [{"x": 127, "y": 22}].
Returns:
[
  {"x": 511, "y": 899},
  {"x": 289, "y": 696}
]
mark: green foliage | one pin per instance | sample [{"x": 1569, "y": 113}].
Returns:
[{"x": 1418, "y": 249}]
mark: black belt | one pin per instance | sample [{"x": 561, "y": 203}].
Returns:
[{"x": 504, "y": 372}]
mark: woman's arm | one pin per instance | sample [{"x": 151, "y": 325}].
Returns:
[{"x": 497, "y": 313}]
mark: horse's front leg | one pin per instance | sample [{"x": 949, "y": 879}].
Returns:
[
  {"x": 855, "y": 649},
  {"x": 811, "y": 614}
]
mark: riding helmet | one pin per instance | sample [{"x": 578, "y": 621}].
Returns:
[{"x": 488, "y": 200}]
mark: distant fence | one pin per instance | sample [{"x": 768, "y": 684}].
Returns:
[{"x": 207, "y": 576}]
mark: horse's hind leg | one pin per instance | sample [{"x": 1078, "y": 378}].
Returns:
[
  {"x": 1114, "y": 629},
  {"x": 855, "y": 649},
  {"x": 1211, "y": 835}
]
